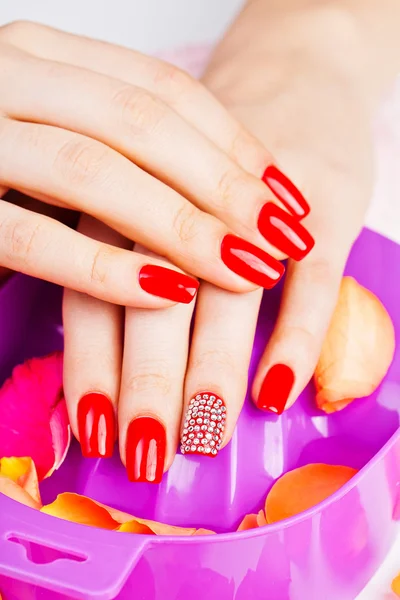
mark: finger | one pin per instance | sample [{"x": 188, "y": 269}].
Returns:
[
  {"x": 39, "y": 246},
  {"x": 88, "y": 176},
  {"x": 292, "y": 352},
  {"x": 93, "y": 336},
  {"x": 183, "y": 93},
  {"x": 216, "y": 380},
  {"x": 140, "y": 126},
  {"x": 152, "y": 389}
]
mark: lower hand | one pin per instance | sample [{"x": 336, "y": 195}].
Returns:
[{"x": 318, "y": 123}]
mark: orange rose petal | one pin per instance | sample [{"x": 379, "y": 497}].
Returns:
[
  {"x": 83, "y": 510},
  {"x": 135, "y": 526},
  {"x": 252, "y": 521},
  {"x": 261, "y": 520},
  {"x": 23, "y": 472},
  {"x": 354, "y": 358},
  {"x": 249, "y": 522},
  {"x": 303, "y": 488},
  {"x": 202, "y": 531},
  {"x": 396, "y": 585},
  {"x": 79, "y": 509}
]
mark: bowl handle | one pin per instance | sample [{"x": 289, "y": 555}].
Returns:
[{"x": 80, "y": 562}]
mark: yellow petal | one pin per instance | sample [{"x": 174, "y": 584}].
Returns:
[
  {"x": 79, "y": 509},
  {"x": 23, "y": 472},
  {"x": 396, "y": 585},
  {"x": 9, "y": 488},
  {"x": 357, "y": 350}
]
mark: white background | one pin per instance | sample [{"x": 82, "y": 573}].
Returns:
[{"x": 156, "y": 25}]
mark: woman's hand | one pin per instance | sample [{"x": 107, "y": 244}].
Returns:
[
  {"x": 135, "y": 143},
  {"x": 296, "y": 76},
  {"x": 300, "y": 99}
]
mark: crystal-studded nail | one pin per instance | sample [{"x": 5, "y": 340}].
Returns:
[{"x": 210, "y": 419}]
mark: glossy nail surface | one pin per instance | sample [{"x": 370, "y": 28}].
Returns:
[
  {"x": 145, "y": 450},
  {"x": 251, "y": 262},
  {"x": 284, "y": 231},
  {"x": 167, "y": 283},
  {"x": 276, "y": 388},
  {"x": 286, "y": 191},
  {"x": 204, "y": 425},
  {"x": 96, "y": 425}
]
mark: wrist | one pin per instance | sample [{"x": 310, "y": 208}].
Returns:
[{"x": 355, "y": 37}]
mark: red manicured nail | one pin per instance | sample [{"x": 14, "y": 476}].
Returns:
[
  {"x": 145, "y": 450},
  {"x": 167, "y": 283},
  {"x": 275, "y": 389},
  {"x": 284, "y": 231},
  {"x": 251, "y": 262},
  {"x": 96, "y": 426},
  {"x": 204, "y": 425},
  {"x": 286, "y": 191}
]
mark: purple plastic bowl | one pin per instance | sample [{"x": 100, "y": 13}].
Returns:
[{"x": 328, "y": 552}]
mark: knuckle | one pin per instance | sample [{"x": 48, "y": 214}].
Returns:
[
  {"x": 149, "y": 378},
  {"x": 175, "y": 80},
  {"x": 16, "y": 30},
  {"x": 232, "y": 188},
  {"x": 318, "y": 271},
  {"x": 185, "y": 223},
  {"x": 140, "y": 112},
  {"x": 101, "y": 264},
  {"x": 19, "y": 239},
  {"x": 82, "y": 162},
  {"x": 217, "y": 357}
]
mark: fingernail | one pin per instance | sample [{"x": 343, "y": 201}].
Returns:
[
  {"x": 204, "y": 425},
  {"x": 145, "y": 450},
  {"x": 284, "y": 231},
  {"x": 167, "y": 283},
  {"x": 251, "y": 262},
  {"x": 275, "y": 389},
  {"x": 96, "y": 425},
  {"x": 286, "y": 191}
]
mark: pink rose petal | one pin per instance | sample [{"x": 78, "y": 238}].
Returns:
[{"x": 33, "y": 416}]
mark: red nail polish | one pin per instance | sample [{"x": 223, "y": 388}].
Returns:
[
  {"x": 284, "y": 231},
  {"x": 145, "y": 450},
  {"x": 286, "y": 191},
  {"x": 275, "y": 389},
  {"x": 251, "y": 262},
  {"x": 167, "y": 283},
  {"x": 204, "y": 425},
  {"x": 96, "y": 426}
]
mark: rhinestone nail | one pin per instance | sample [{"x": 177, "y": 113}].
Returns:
[{"x": 205, "y": 413}]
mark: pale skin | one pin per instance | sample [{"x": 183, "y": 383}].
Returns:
[{"x": 303, "y": 80}]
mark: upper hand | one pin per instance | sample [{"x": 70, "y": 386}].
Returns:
[{"x": 135, "y": 143}]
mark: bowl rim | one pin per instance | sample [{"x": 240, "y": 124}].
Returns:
[{"x": 78, "y": 529}]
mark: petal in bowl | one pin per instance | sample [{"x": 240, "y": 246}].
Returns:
[
  {"x": 303, "y": 488},
  {"x": 83, "y": 510},
  {"x": 357, "y": 351}
]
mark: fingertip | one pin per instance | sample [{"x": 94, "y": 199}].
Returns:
[{"x": 275, "y": 389}]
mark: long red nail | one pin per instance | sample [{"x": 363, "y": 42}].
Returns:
[
  {"x": 251, "y": 262},
  {"x": 286, "y": 191},
  {"x": 145, "y": 450},
  {"x": 167, "y": 283},
  {"x": 284, "y": 231},
  {"x": 96, "y": 426},
  {"x": 276, "y": 388},
  {"x": 204, "y": 425}
]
